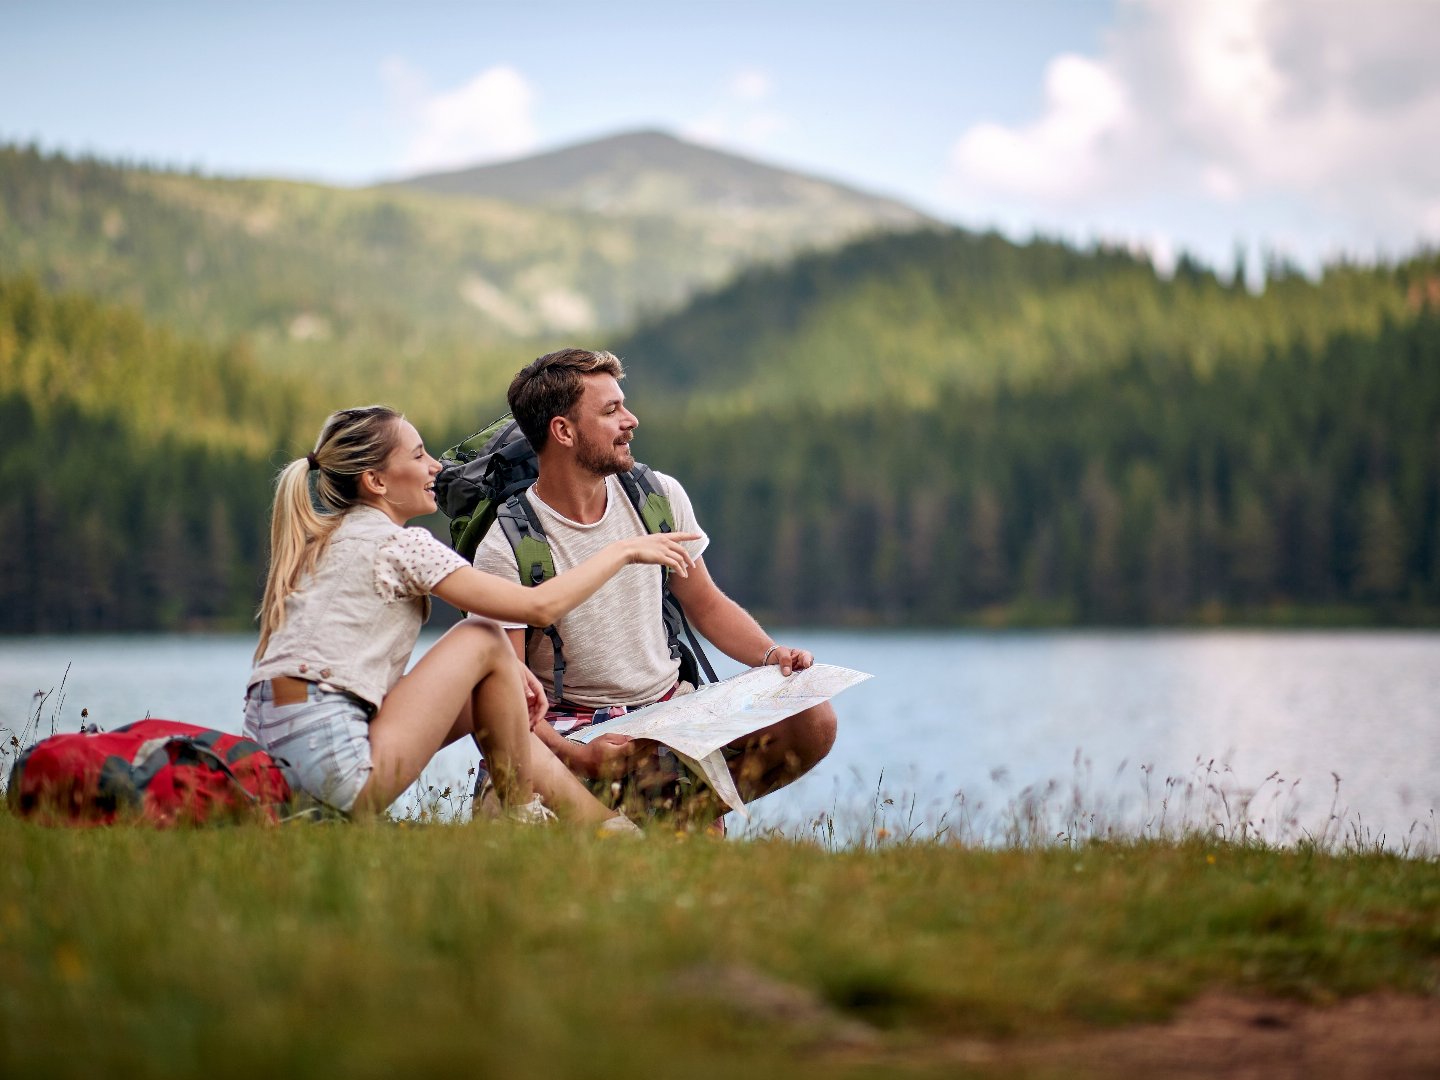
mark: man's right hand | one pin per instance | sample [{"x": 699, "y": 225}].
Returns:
[{"x": 606, "y": 757}]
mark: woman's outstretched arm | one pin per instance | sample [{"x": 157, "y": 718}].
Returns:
[{"x": 544, "y": 604}]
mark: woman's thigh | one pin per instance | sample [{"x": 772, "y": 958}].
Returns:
[{"x": 430, "y": 706}]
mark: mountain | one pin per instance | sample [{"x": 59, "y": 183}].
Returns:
[
  {"x": 934, "y": 428},
  {"x": 911, "y": 318},
  {"x": 948, "y": 427},
  {"x": 390, "y": 292},
  {"x": 653, "y": 174}
]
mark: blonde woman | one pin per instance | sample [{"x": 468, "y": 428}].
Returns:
[{"x": 347, "y": 591}]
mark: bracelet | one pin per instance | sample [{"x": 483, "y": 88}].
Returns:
[{"x": 766, "y": 658}]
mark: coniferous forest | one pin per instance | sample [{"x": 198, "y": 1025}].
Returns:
[{"x": 936, "y": 427}]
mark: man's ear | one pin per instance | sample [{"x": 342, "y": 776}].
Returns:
[{"x": 562, "y": 431}]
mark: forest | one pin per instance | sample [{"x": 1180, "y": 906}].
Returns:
[{"x": 937, "y": 427}]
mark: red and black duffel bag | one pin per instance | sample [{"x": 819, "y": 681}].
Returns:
[{"x": 158, "y": 771}]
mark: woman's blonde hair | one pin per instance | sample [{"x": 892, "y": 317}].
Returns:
[{"x": 352, "y": 442}]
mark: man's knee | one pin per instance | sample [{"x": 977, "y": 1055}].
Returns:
[{"x": 817, "y": 727}]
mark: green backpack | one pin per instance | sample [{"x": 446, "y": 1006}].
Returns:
[{"x": 485, "y": 479}]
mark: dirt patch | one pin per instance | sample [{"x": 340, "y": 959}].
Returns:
[
  {"x": 1382, "y": 1036},
  {"x": 1378, "y": 1037}
]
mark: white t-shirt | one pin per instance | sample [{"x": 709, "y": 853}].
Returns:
[{"x": 616, "y": 651}]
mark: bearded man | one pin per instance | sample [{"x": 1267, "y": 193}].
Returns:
[{"x": 616, "y": 648}]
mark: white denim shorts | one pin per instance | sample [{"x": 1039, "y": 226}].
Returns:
[{"x": 323, "y": 741}]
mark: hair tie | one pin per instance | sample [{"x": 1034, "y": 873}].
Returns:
[{"x": 314, "y": 462}]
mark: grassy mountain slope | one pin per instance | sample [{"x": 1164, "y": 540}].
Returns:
[
  {"x": 652, "y": 174},
  {"x": 383, "y": 292}
]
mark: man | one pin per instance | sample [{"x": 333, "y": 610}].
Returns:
[{"x": 617, "y": 654}]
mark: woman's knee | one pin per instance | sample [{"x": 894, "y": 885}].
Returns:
[{"x": 484, "y": 639}]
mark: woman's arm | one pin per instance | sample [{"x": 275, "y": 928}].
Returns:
[{"x": 544, "y": 604}]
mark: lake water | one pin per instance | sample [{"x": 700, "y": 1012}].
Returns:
[{"x": 980, "y": 736}]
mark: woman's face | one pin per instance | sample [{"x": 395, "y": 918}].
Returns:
[{"x": 406, "y": 485}]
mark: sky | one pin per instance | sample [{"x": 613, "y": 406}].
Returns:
[{"x": 1302, "y": 128}]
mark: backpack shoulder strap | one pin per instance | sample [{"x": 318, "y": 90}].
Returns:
[
  {"x": 655, "y": 510},
  {"x": 535, "y": 562},
  {"x": 526, "y": 536},
  {"x": 652, "y": 504}
]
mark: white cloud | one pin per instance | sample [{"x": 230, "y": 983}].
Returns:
[
  {"x": 1323, "y": 109},
  {"x": 1085, "y": 109},
  {"x": 741, "y": 117},
  {"x": 488, "y": 117}
]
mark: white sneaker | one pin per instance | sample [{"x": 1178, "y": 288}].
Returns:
[
  {"x": 619, "y": 825},
  {"x": 534, "y": 812}
]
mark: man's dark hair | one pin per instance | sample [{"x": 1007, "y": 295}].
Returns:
[{"x": 552, "y": 385}]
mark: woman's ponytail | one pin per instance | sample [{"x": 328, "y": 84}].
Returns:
[{"x": 352, "y": 442}]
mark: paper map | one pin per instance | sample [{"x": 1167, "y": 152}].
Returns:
[{"x": 696, "y": 726}]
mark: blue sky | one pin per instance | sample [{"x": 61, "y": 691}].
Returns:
[{"x": 1302, "y": 126}]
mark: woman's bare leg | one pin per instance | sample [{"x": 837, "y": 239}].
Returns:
[
  {"x": 561, "y": 791},
  {"x": 470, "y": 684},
  {"x": 557, "y": 785},
  {"x": 472, "y": 664}
]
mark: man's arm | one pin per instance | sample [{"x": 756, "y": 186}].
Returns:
[{"x": 728, "y": 626}]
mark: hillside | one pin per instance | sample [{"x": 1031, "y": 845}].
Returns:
[
  {"x": 382, "y": 292},
  {"x": 913, "y": 318},
  {"x": 135, "y": 478},
  {"x": 938, "y": 428},
  {"x": 946, "y": 427},
  {"x": 653, "y": 174}
]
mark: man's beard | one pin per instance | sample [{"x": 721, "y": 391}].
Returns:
[{"x": 603, "y": 459}]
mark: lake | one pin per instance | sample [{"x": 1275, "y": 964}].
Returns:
[{"x": 984, "y": 737}]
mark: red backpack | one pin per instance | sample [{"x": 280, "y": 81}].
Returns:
[{"x": 159, "y": 771}]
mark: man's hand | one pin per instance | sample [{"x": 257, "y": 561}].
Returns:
[
  {"x": 605, "y": 757},
  {"x": 788, "y": 660},
  {"x": 536, "y": 703}
]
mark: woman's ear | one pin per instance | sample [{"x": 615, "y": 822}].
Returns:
[{"x": 372, "y": 484}]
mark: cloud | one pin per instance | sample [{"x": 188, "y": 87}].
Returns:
[
  {"x": 488, "y": 117},
  {"x": 742, "y": 116},
  {"x": 1085, "y": 110},
  {"x": 1326, "y": 109}
]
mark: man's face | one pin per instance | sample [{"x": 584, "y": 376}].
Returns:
[{"x": 603, "y": 427}]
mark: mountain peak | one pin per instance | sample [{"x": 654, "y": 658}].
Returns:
[{"x": 652, "y": 172}]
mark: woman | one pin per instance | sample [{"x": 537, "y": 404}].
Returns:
[{"x": 347, "y": 591}]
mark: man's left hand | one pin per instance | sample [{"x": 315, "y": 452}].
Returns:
[{"x": 789, "y": 660}]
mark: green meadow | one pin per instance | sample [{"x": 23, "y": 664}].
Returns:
[{"x": 483, "y": 949}]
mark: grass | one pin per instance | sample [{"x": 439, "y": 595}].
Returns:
[
  {"x": 428, "y": 946},
  {"x": 368, "y": 950}
]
